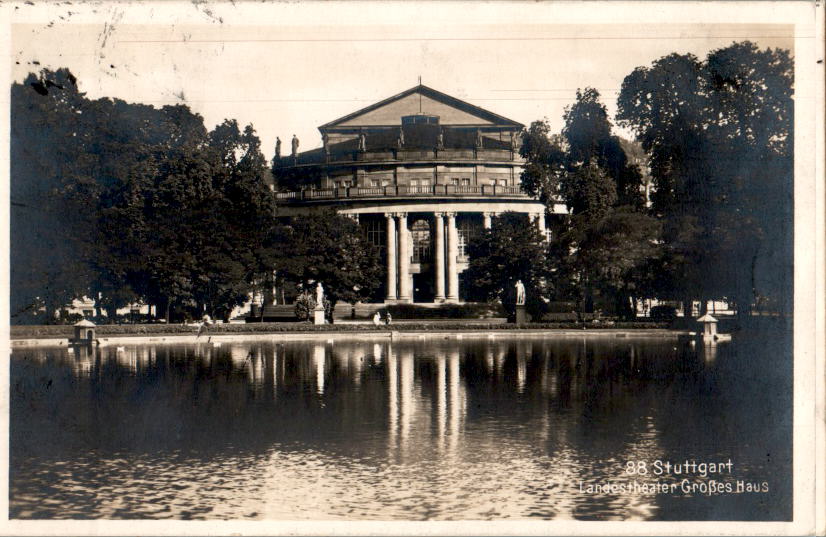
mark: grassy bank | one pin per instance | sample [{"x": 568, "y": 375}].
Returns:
[{"x": 56, "y": 331}]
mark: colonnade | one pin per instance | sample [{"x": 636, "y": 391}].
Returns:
[{"x": 445, "y": 254}]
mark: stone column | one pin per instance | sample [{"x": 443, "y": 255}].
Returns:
[
  {"x": 439, "y": 251},
  {"x": 404, "y": 258},
  {"x": 487, "y": 219},
  {"x": 391, "y": 256},
  {"x": 452, "y": 254}
]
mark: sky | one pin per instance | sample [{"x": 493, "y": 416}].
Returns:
[{"x": 289, "y": 67}]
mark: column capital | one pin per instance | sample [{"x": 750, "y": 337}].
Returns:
[
  {"x": 400, "y": 215},
  {"x": 438, "y": 214},
  {"x": 450, "y": 214},
  {"x": 490, "y": 214}
]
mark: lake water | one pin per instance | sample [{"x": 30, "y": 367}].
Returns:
[{"x": 430, "y": 429}]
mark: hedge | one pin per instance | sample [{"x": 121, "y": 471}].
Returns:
[
  {"x": 45, "y": 331},
  {"x": 446, "y": 311}
]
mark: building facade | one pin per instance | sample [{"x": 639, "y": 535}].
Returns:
[{"x": 422, "y": 172}]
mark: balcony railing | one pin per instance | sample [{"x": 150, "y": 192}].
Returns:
[
  {"x": 400, "y": 155},
  {"x": 401, "y": 191}
]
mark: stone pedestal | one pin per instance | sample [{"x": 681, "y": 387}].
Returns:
[
  {"x": 521, "y": 316},
  {"x": 318, "y": 315}
]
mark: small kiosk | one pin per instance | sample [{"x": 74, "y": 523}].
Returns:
[
  {"x": 84, "y": 333},
  {"x": 710, "y": 334}
]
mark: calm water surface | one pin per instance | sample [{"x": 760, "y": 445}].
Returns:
[{"x": 435, "y": 428}]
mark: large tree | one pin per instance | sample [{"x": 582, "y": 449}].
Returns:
[
  {"x": 512, "y": 249},
  {"x": 45, "y": 271},
  {"x": 328, "y": 248},
  {"x": 587, "y": 169},
  {"x": 121, "y": 201},
  {"x": 719, "y": 136}
]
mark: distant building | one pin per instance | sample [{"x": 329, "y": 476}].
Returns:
[{"x": 422, "y": 172}]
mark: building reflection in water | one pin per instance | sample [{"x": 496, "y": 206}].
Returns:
[
  {"x": 393, "y": 398},
  {"x": 509, "y": 424},
  {"x": 456, "y": 402},
  {"x": 319, "y": 362}
]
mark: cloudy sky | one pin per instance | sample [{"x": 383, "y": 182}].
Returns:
[{"x": 289, "y": 67}]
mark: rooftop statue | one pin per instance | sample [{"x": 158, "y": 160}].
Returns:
[
  {"x": 277, "y": 147},
  {"x": 295, "y": 145}
]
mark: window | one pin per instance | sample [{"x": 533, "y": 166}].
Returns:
[
  {"x": 375, "y": 229},
  {"x": 414, "y": 182},
  {"x": 467, "y": 229},
  {"x": 420, "y": 233},
  {"x": 375, "y": 182},
  {"x": 465, "y": 181},
  {"x": 454, "y": 181}
]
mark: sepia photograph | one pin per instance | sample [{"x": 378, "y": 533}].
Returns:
[{"x": 412, "y": 267}]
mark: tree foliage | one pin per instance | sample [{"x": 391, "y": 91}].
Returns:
[
  {"x": 329, "y": 248},
  {"x": 603, "y": 246},
  {"x": 512, "y": 249},
  {"x": 719, "y": 135},
  {"x": 122, "y": 201}
]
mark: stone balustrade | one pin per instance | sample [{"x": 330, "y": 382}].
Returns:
[{"x": 395, "y": 191}]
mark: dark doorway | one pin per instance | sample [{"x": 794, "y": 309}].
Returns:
[{"x": 423, "y": 286}]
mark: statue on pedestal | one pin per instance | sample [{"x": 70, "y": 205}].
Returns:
[
  {"x": 319, "y": 296},
  {"x": 277, "y": 147},
  {"x": 295, "y": 145},
  {"x": 362, "y": 141},
  {"x": 325, "y": 141},
  {"x": 478, "y": 138},
  {"x": 400, "y": 140},
  {"x": 440, "y": 141},
  {"x": 520, "y": 293}
]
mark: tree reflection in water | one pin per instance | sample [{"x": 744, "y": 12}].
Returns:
[{"x": 434, "y": 428}]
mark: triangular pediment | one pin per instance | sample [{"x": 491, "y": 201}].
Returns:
[{"x": 421, "y": 99}]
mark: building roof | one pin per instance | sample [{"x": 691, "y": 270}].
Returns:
[{"x": 422, "y": 99}]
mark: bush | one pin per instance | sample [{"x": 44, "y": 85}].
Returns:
[
  {"x": 305, "y": 304},
  {"x": 663, "y": 313}
]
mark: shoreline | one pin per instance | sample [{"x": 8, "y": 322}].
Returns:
[{"x": 369, "y": 334}]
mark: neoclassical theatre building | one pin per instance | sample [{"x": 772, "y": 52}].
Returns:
[{"x": 422, "y": 172}]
